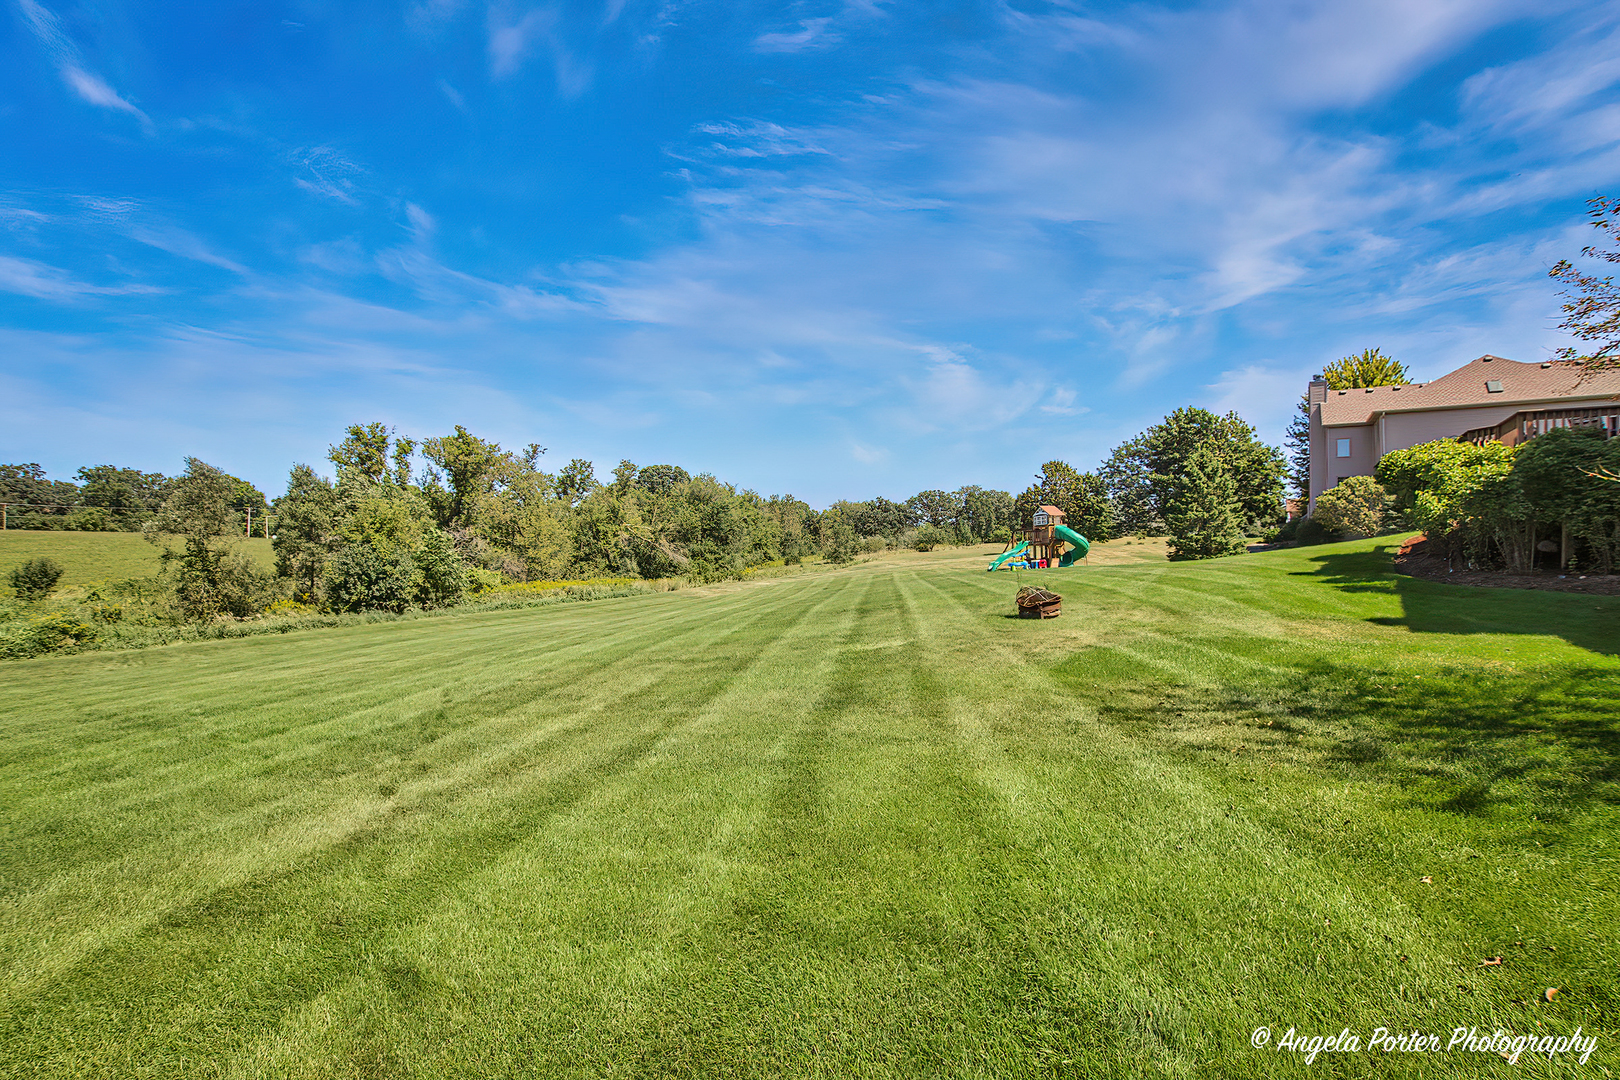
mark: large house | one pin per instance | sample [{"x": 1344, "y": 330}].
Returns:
[{"x": 1488, "y": 398}]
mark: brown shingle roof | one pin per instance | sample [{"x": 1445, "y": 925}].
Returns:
[{"x": 1521, "y": 384}]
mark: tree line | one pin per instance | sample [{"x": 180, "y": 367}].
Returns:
[{"x": 402, "y": 523}]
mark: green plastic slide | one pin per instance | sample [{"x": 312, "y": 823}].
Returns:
[
  {"x": 1006, "y": 555},
  {"x": 1080, "y": 545}
]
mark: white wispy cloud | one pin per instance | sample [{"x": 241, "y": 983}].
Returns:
[
  {"x": 812, "y": 33},
  {"x": 27, "y": 277},
  {"x": 324, "y": 171},
  {"x": 70, "y": 62}
]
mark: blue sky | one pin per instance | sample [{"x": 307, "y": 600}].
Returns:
[{"x": 836, "y": 249}]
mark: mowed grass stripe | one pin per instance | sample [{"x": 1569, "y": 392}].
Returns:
[
  {"x": 281, "y": 828},
  {"x": 381, "y": 881},
  {"x": 887, "y": 830},
  {"x": 1183, "y": 855}
]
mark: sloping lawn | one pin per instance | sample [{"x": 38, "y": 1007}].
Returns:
[
  {"x": 853, "y": 823},
  {"x": 91, "y": 558}
]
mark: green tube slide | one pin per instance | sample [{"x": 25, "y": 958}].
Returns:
[
  {"x": 1006, "y": 555},
  {"x": 1079, "y": 545}
]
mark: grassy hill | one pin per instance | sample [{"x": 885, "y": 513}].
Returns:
[
  {"x": 90, "y": 558},
  {"x": 852, "y": 823}
]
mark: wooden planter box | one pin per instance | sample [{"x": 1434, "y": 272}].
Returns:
[{"x": 1036, "y": 603}]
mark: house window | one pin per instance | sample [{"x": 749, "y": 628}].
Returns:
[{"x": 1344, "y": 447}]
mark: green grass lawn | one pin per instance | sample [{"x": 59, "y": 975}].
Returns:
[
  {"x": 90, "y": 558},
  {"x": 849, "y": 823}
]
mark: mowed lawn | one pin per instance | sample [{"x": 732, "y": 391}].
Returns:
[
  {"x": 854, "y": 823},
  {"x": 90, "y": 558}
]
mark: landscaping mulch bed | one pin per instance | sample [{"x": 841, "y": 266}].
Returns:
[{"x": 1414, "y": 559}]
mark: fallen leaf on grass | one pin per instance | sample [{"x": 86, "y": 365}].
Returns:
[
  {"x": 1491, "y": 961},
  {"x": 1552, "y": 992}
]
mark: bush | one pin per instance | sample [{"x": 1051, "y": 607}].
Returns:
[
  {"x": 929, "y": 537},
  {"x": 35, "y": 579},
  {"x": 49, "y": 633},
  {"x": 1354, "y": 506},
  {"x": 838, "y": 544},
  {"x": 91, "y": 519},
  {"x": 362, "y": 578},
  {"x": 1312, "y": 531}
]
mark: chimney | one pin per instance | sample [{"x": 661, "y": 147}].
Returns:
[{"x": 1317, "y": 391}]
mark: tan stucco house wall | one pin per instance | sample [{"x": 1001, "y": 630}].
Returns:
[{"x": 1483, "y": 393}]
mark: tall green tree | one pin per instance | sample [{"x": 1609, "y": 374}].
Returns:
[
  {"x": 35, "y": 501},
  {"x": 212, "y": 578},
  {"x": 1146, "y": 475},
  {"x": 305, "y": 535},
  {"x": 1370, "y": 367},
  {"x": 363, "y": 452},
  {"x": 130, "y": 496},
  {"x": 1083, "y": 498},
  {"x": 1205, "y": 513},
  {"x": 471, "y": 466},
  {"x": 934, "y": 507}
]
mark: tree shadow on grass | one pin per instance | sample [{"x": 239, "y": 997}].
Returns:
[
  {"x": 1435, "y": 607},
  {"x": 1456, "y": 728},
  {"x": 1540, "y": 744}
]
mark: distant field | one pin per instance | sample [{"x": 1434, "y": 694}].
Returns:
[
  {"x": 95, "y": 557},
  {"x": 857, "y": 822}
]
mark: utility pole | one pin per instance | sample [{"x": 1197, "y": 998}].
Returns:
[{"x": 248, "y": 533}]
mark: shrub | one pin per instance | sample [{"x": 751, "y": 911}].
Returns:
[
  {"x": 838, "y": 544},
  {"x": 708, "y": 571},
  {"x": 35, "y": 579},
  {"x": 362, "y": 578},
  {"x": 1354, "y": 506},
  {"x": 928, "y": 537},
  {"x": 1312, "y": 531},
  {"x": 49, "y": 633}
]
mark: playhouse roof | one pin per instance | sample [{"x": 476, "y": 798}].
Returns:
[{"x": 1051, "y": 511}]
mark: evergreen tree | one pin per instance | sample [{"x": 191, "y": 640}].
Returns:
[{"x": 1205, "y": 517}]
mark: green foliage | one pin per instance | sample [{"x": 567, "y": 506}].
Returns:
[
  {"x": 936, "y": 508},
  {"x": 123, "y": 499},
  {"x": 928, "y": 537},
  {"x": 577, "y": 480},
  {"x": 1465, "y": 498},
  {"x": 53, "y": 631},
  {"x": 1083, "y": 498},
  {"x": 35, "y": 502},
  {"x": 1354, "y": 506},
  {"x": 1561, "y": 476},
  {"x": 1205, "y": 515},
  {"x": 1369, "y": 368},
  {"x": 35, "y": 579},
  {"x": 839, "y": 544},
  {"x": 370, "y": 577},
  {"x": 1147, "y": 475},
  {"x": 985, "y": 514},
  {"x": 1297, "y": 440},
  {"x": 305, "y": 533},
  {"x": 472, "y": 467},
  {"x": 1591, "y": 303},
  {"x": 364, "y": 453},
  {"x": 212, "y": 578},
  {"x": 661, "y": 479}
]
